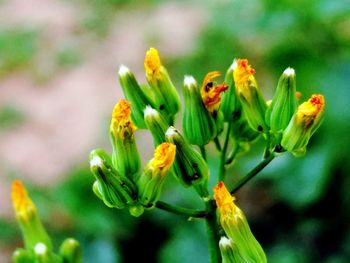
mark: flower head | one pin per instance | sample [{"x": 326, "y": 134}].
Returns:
[
  {"x": 24, "y": 206},
  {"x": 121, "y": 119},
  {"x": 224, "y": 201},
  {"x": 164, "y": 156},
  {"x": 310, "y": 110},
  {"x": 211, "y": 94},
  {"x": 152, "y": 62},
  {"x": 242, "y": 72}
]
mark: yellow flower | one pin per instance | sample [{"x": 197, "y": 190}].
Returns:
[
  {"x": 243, "y": 74},
  {"x": 225, "y": 202},
  {"x": 152, "y": 63},
  {"x": 211, "y": 95},
  {"x": 23, "y": 205},
  {"x": 309, "y": 111},
  {"x": 121, "y": 122},
  {"x": 164, "y": 156}
]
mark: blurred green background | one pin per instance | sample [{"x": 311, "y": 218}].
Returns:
[{"x": 58, "y": 84}]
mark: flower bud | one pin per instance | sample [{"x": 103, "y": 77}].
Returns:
[
  {"x": 211, "y": 93},
  {"x": 305, "y": 121},
  {"x": 134, "y": 93},
  {"x": 229, "y": 251},
  {"x": 23, "y": 256},
  {"x": 167, "y": 100},
  {"x": 112, "y": 188},
  {"x": 28, "y": 218},
  {"x": 151, "y": 181},
  {"x": 190, "y": 168},
  {"x": 157, "y": 125},
  {"x": 70, "y": 251},
  {"x": 43, "y": 255},
  {"x": 253, "y": 103},
  {"x": 236, "y": 226},
  {"x": 284, "y": 103},
  {"x": 199, "y": 126},
  {"x": 231, "y": 106},
  {"x": 125, "y": 157}
]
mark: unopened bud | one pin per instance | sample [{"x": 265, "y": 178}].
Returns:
[
  {"x": 70, "y": 251},
  {"x": 156, "y": 124},
  {"x": 189, "y": 166},
  {"x": 135, "y": 94},
  {"x": 199, "y": 126},
  {"x": 284, "y": 103},
  {"x": 229, "y": 251},
  {"x": 115, "y": 190}
]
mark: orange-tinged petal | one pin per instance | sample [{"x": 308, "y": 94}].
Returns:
[
  {"x": 22, "y": 204},
  {"x": 211, "y": 95},
  {"x": 121, "y": 117},
  {"x": 242, "y": 71},
  {"x": 309, "y": 111},
  {"x": 224, "y": 201},
  {"x": 164, "y": 156}
]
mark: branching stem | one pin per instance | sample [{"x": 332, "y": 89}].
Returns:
[{"x": 181, "y": 210}]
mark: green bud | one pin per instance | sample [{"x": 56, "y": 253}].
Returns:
[
  {"x": 242, "y": 132},
  {"x": 190, "y": 168},
  {"x": 125, "y": 157},
  {"x": 284, "y": 103},
  {"x": 167, "y": 99},
  {"x": 22, "y": 256},
  {"x": 199, "y": 126},
  {"x": 230, "y": 105},
  {"x": 115, "y": 190},
  {"x": 230, "y": 252},
  {"x": 157, "y": 125},
  {"x": 44, "y": 255},
  {"x": 134, "y": 93},
  {"x": 136, "y": 210},
  {"x": 305, "y": 121},
  {"x": 70, "y": 251}
]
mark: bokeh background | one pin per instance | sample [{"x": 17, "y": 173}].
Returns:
[{"x": 58, "y": 85}]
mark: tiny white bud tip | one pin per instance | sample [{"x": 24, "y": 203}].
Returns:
[
  {"x": 171, "y": 131},
  {"x": 233, "y": 65},
  {"x": 40, "y": 248},
  {"x": 189, "y": 81},
  {"x": 289, "y": 72},
  {"x": 225, "y": 242},
  {"x": 149, "y": 111},
  {"x": 96, "y": 161},
  {"x": 123, "y": 70}
]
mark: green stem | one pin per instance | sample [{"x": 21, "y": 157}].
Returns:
[
  {"x": 213, "y": 233},
  {"x": 253, "y": 172},
  {"x": 268, "y": 145},
  {"x": 223, "y": 154},
  {"x": 181, "y": 210},
  {"x": 203, "y": 152},
  {"x": 217, "y": 143},
  {"x": 232, "y": 154}
]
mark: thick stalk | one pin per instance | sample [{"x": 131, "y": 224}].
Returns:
[
  {"x": 181, "y": 210},
  {"x": 222, "y": 171},
  {"x": 213, "y": 233},
  {"x": 253, "y": 172}
]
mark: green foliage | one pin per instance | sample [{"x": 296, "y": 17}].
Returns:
[
  {"x": 17, "y": 48},
  {"x": 10, "y": 116}
]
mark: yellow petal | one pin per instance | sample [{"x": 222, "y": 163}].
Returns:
[
  {"x": 309, "y": 111},
  {"x": 224, "y": 200},
  {"x": 164, "y": 156},
  {"x": 152, "y": 62},
  {"x": 22, "y": 204}
]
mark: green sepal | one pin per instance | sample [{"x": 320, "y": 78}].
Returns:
[
  {"x": 22, "y": 255},
  {"x": 70, "y": 251},
  {"x": 199, "y": 126}
]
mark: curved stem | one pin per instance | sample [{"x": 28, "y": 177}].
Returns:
[
  {"x": 213, "y": 233},
  {"x": 223, "y": 154},
  {"x": 181, "y": 210},
  {"x": 217, "y": 144},
  {"x": 232, "y": 154},
  {"x": 253, "y": 172}
]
